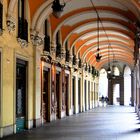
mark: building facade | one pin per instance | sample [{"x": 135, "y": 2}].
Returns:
[{"x": 46, "y": 72}]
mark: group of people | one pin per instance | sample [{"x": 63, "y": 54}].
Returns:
[{"x": 104, "y": 100}]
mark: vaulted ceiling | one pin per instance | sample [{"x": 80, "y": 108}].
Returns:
[{"x": 78, "y": 25}]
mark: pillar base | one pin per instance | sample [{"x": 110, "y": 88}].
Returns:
[
  {"x": 7, "y": 130},
  {"x": 37, "y": 122},
  {"x": 63, "y": 114}
]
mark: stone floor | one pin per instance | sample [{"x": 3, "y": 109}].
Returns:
[{"x": 104, "y": 123}]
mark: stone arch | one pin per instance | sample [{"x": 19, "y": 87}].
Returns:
[
  {"x": 103, "y": 83},
  {"x": 127, "y": 85},
  {"x": 11, "y": 7}
]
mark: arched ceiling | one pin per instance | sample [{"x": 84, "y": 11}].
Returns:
[{"x": 78, "y": 26}]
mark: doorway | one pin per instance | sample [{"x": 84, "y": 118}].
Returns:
[
  {"x": 79, "y": 93},
  {"x": 103, "y": 84},
  {"x": 88, "y": 94},
  {"x": 73, "y": 91},
  {"x": 127, "y": 86},
  {"x": 57, "y": 94},
  {"x": 45, "y": 95},
  {"x": 85, "y": 84},
  {"x": 21, "y": 93},
  {"x": 67, "y": 93},
  {"x": 116, "y": 94}
]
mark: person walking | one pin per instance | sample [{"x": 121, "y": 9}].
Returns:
[{"x": 102, "y": 100}]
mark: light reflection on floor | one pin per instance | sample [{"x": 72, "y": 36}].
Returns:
[{"x": 102, "y": 123}]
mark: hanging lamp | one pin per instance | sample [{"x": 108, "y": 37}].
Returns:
[
  {"x": 57, "y": 8},
  {"x": 109, "y": 69},
  {"x": 98, "y": 56}
]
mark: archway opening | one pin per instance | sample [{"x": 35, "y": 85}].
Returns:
[
  {"x": 127, "y": 86},
  {"x": 103, "y": 85},
  {"x": 116, "y": 94}
]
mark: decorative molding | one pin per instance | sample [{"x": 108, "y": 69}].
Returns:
[
  {"x": 11, "y": 25},
  {"x": 46, "y": 57},
  {"x": 37, "y": 38},
  {"x": 71, "y": 58},
  {"x": 53, "y": 49},
  {"x": 23, "y": 43},
  {"x": 63, "y": 53}
]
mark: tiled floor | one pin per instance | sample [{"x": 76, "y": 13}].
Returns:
[{"x": 104, "y": 123}]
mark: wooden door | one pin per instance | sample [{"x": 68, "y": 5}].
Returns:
[
  {"x": 66, "y": 93},
  {"x": 73, "y": 91},
  {"x": 45, "y": 95},
  {"x": 57, "y": 94}
]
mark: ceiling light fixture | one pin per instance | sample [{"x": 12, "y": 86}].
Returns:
[
  {"x": 109, "y": 69},
  {"x": 58, "y": 8},
  {"x": 98, "y": 56}
]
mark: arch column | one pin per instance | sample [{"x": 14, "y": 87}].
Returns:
[
  {"x": 121, "y": 90},
  {"x": 138, "y": 87},
  {"x": 83, "y": 91},
  {"x": 37, "y": 86},
  {"x": 132, "y": 88},
  {"x": 53, "y": 50},
  {"x": 110, "y": 91},
  {"x": 70, "y": 93}
]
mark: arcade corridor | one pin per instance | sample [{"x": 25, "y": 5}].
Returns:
[
  {"x": 104, "y": 123},
  {"x": 58, "y": 58}
]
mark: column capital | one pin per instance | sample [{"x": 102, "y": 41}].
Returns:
[
  {"x": 11, "y": 24},
  {"x": 37, "y": 38}
]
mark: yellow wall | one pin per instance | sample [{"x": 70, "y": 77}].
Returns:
[{"x": 10, "y": 49}]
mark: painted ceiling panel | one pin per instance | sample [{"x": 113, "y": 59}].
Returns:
[
  {"x": 102, "y": 32},
  {"x": 94, "y": 25},
  {"x": 105, "y": 39},
  {"x": 119, "y": 18},
  {"x": 80, "y": 17},
  {"x": 34, "y": 5},
  {"x": 74, "y": 4}
]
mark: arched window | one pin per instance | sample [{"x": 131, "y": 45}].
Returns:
[
  {"x": 58, "y": 45},
  {"x": 80, "y": 61},
  {"x": 46, "y": 38},
  {"x": 74, "y": 55},
  {"x": 67, "y": 56},
  {"x": 22, "y": 22},
  {"x": 103, "y": 83}
]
